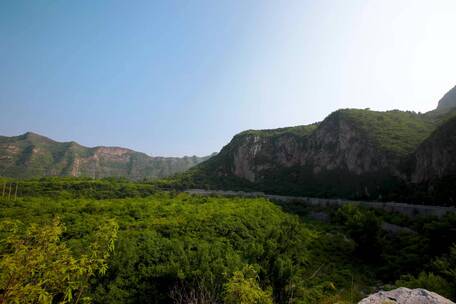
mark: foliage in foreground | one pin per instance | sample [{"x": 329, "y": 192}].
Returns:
[
  {"x": 243, "y": 288},
  {"x": 177, "y": 248},
  {"x": 172, "y": 248},
  {"x": 422, "y": 257},
  {"x": 37, "y": 267}
]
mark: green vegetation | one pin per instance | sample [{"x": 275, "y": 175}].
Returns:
[
  {"x": 177, "y": 248},
  {"x": 395, "y": 132},
  {"x": 385, "y": 141},
  {"x": 244, "y": 288},
  {"x": 311, "y": 160},
  {"x": 297, "y": 131},
  {"x": 37, "y": 267},
  {"x": 71, "y": 187},
  {"x": 173, "y": 247}
]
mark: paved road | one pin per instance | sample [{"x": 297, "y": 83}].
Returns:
[{"x": 411, "y": 210}]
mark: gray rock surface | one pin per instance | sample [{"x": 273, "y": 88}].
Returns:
[{"x": 406, "y": 296}]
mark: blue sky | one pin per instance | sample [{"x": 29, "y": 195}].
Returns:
[{"x": 179, "y": 78}]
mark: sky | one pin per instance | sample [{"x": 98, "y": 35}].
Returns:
[{"x": 176, "y": 78}]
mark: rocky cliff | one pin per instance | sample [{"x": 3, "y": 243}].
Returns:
[
  {"x": 32, "y": 155},
  {"x": 352, "y": 153}
]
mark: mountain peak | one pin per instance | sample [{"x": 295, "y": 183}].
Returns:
[
  {"x": 31, "y": 136},
  {"x": 448, "y": 101}
]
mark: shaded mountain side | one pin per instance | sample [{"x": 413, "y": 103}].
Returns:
[
  {"x": 355, "y": 154},
  {"x": 431, "y": 169},
  {"x": 32, "y": 155},
  {"x": 435, "y": 158}
]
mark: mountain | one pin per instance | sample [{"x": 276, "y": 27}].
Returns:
[
  {"x": 448, "y": 101},
  {"x": 352, "y": 153},
  {"x": 435, "y": 158},
  {"x": 32, "y": 155},
  {"x": 433, "y": 166}
]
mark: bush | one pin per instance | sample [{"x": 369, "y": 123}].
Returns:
[
  {"x": 36, "y": 267},
  {"x": 243, "y": 288},
  {"x": 427, "y": 281}
]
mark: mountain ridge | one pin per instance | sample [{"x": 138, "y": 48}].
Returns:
[
  {"x": 33, "y": 155},
  {"x": 352, "y": 153}
]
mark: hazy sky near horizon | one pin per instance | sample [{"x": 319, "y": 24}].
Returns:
[{"x": 182, "y": 77}]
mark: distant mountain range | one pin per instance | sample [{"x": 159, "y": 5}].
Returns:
[
  {"x": 362, "y": 154},
  {"x": 32, "y": 155}
]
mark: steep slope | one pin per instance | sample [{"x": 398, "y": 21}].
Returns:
[
  {"x": 445, "y": 108},
  {"x": 448, "y": 101},
  {"x": 33, "y": 155},
  {"x": 352, "y": 153},
  {"x": 436, "y": 157},
  {"x": 433, "y": 167}
]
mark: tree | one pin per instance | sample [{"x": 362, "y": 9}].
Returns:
[
  {"x": 243, "y": 288},
  {"x": 37, "y": 267},
  {"x": 363, "y": 226}
]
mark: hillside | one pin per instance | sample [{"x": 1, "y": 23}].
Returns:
[
  {"x": 32, "y": 155},
  {"x": 448, "y": 101},
  {"x": 350, "y": 154},
  {"x": 432, "y": 168}
]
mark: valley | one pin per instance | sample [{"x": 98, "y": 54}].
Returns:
[{"x": 228, "y": 152}]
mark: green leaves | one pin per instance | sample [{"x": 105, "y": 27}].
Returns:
[
  {"x": 243, "y": 288},
  {"x": 172, "y": 246},
  {"x": 36, "y": 266}
]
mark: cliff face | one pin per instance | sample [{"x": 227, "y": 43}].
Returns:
[
  {"x": 32, "y": 155},
  {"x": 352, "y": 153},
  {"x": 335, "y": 144},
  {"x": 359, "y": 154},
  {"x": 340, "y": 144}
]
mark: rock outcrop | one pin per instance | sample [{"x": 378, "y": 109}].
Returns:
[
  {"x": 337, "y": 143},
  {"x": 405, "y": 296}
]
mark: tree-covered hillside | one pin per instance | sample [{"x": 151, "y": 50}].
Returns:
[
  {"x": 32, "y": 155},
  {"x": 395, "y": 132}
]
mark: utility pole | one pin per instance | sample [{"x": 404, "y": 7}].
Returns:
[{"x": 9, "y": 193}]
